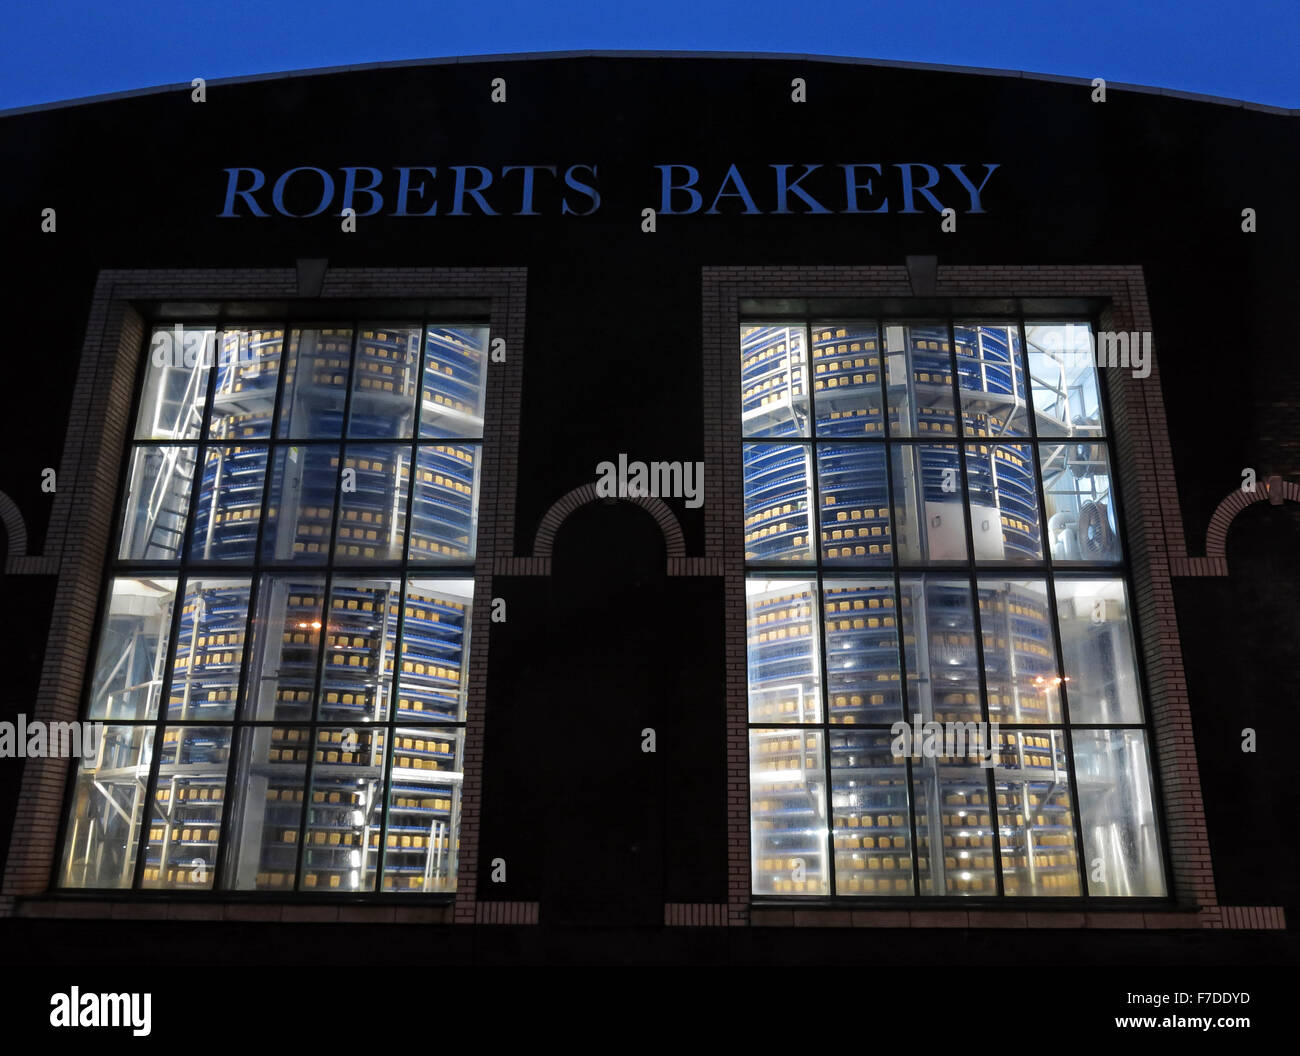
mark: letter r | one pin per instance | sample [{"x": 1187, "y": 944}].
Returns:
[{"x": 233, "y": 190}]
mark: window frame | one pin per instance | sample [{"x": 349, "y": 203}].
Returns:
[
  {"x": 810, "y": 313},
  {"x": 227, "y": 314}
]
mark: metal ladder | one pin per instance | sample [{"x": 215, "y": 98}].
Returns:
[{"x": 165, "y": 512}]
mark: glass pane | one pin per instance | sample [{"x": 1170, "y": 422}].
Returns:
[
  {"x": 862, "y": 665},
  {"x": 787, "y": 783},
  {"x": 991, "y": 376},
  {"x": 230, "y": 504},
  {"x": 778, "y": 502},
  {"x": 773, "y": 381},
  {"x": 361, "y": 635},
  {"x": 444, "y": 518},
  {"x": 423, "y": 810},
  {"x": 315, "y": 383},
  {"x": 157, "y": 503},
  {"x": 300, "y": 511},
  {"x": 847, "y": 379},
  {"x": 181, "y": 852},
  {"x": 784, "y": 654},
  {"x": 385, "y": 381},
  {"x": 1097, "y": 645},
  {"x": 918, "y": 371},
  {"x": 345, "y": 812},
  {"x": 372, "y": 503},
  {"x": 1003, "y": 502},
  {"x": 869, "y": 802},
  {"x": 1121, "y": 838},
  {"x": 939, "y": 648},
  {"x": 286, "y": 648},
  {"x": 928, "y": 522},
  {"x": 243, "y": 403},
  {"x": 175, "y": 383},
  {"x": 1081, "y": 516},
  {"x": 1063, "y": 376},
  {"x": 209, "y": 649},
  {"x": 263, "y": 852},
  {"x": 954, "y": 826},
  {"x": 1020, "y": 669},
  {"x": 1035, "y": 819},
  {"x": 854, "y": 487},
  {"x": 133, "y": 649},
  {"x": 435, "y": 650},
  {"x": 107, "y": 808},
  {"x": 455, "y": 381}
]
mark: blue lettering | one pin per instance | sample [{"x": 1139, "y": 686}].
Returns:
[
  {"x": 327, "y": 191},
  {"x": 350, "y": 189},
  {"x": 458, "y": 199},
  {"x": 741, "y": 192},
  {"x": 529, "y": 172},
  {"x": 233, "y": 190},
  {"x": 971, "y": 189},
  {"x": 852, "y": 186},
  {"x": 404, "y": 190},
  {"x": 909, "y": 188},
  {"x": 783, "y": 190},
  {"x": 666, "y": 195}
]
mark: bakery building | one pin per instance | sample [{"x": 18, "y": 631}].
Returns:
[{"x": 644, "y": 493}]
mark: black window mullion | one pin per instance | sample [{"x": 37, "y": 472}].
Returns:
[
  {"x": 977, "y": 625},
  {"x": 899, "y": 624},
  {"x": 242, "y": 690},
  {"x": 1053, "y": 615},
  {"x": 818, "y": 624},
  {"x": 327, "y": 599},
  {"x": 403, "y": 581}
]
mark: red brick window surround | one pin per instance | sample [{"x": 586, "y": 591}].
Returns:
[
  {"x": 128, "y": 307},
  {"x": 1111, "y": 299}
]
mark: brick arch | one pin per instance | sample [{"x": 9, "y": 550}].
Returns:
[
  {"x": 15, "y": 526},
  {"x": 1275, "y": 489},
  {"x": 544, "y": 542}
]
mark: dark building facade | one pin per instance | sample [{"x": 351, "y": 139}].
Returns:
[{"x": 653, "y": 495}]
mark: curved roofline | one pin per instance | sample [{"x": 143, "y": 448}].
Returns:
[{"x": 533, "y": 56}]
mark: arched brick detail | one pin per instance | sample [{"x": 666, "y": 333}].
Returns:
[
  {"x": 544, "y": 542},
  {"x": 1216, "y": 536},
  {"x": 15, "y": 526}
]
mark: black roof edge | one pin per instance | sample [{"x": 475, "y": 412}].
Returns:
[{"x": 533, "y": 56}]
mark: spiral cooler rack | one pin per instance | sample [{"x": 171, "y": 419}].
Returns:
[{"x": 862, "y": 623}]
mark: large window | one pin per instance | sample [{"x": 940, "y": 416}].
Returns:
[
  {"x": 943, "y": 689},
  {"x": 282, "y": 662}
]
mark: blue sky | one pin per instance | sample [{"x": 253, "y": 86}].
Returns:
[{"x": 1242, "y": 49}]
